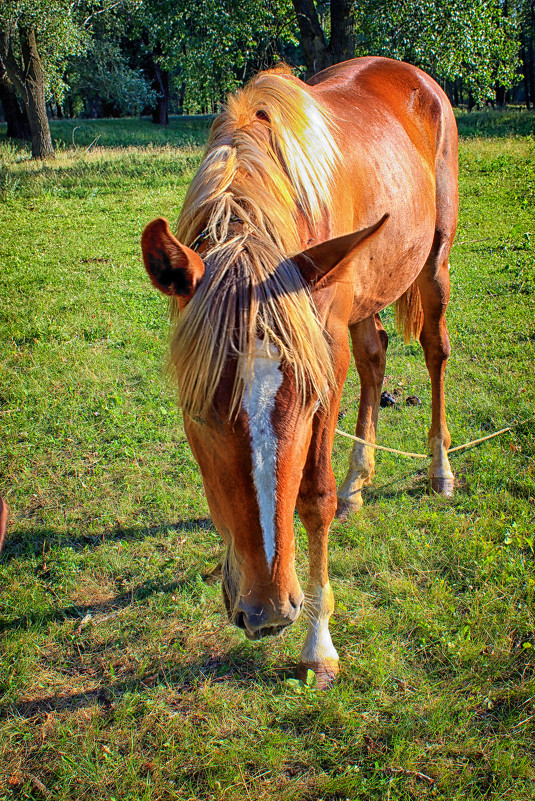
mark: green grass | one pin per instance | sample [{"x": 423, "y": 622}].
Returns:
[
  {"x": 80, "y": 135},
  {"x": 491, "y": 123},
  {"x": 120, "y": 677}
]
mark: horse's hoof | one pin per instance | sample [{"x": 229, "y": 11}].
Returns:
[
  {"x": 346, "y": 508},
  {"x": 325, "y": 672},
  {"x": 441, "y": 485}
]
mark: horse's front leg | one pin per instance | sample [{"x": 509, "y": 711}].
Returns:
[
  {"x": 316, "y": 505},
  {"x": 370, "y": 342}
]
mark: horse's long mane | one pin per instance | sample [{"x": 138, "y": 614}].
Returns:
[{"x": 270, "y": 162}]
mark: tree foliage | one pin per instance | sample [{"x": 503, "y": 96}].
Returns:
[
  {"x": 124, "y": 56},
  {"x": 59, "y": 32},
  {"x": 216, "y": 44},
  {"x": 472, "y": 40},
  {"x": 108, "y": 84},
  {"x": 36, "y": 40}
]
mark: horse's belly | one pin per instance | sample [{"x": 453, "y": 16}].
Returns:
[
  {"x": 388, "y": 271},
  {"x": 393, "y": 259}
]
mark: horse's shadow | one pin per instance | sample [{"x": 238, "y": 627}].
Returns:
[
  {"x": 413, "y": 485},
  {"x": 25, "y": 545},
  {"x": 31, "y": 543},
  {"x": 235, "y": 666},
  {"x": 177, "y": 680},
  {"x": 79, "y": 611}
]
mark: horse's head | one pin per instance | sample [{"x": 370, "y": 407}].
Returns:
[
  {"x": 253, "y": 458},
  {"x": 251, "y": 463}
]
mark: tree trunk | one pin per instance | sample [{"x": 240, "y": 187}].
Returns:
[
  {"x": 317, "y": 55},
  {"x": 471, "y": 101},
  {"x": 57, "y": 104},
  {"x": 28, "y": 80},
  {"x": 17, "y": 121},
  {"x": 160, "y": 114},
  {"x": 42, "y": 147},
  {"x": 342, "y": 44},
  {"x": 181, "y": 96},
  {"x": 531, "y": 69},
  {"x": 529, "y": 98},
  {"x": 525, "y": 70}
]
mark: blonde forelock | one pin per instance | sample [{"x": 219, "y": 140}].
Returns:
[{"x": 271, "y": 159}]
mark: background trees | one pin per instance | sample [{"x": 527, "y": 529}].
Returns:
[
  {"x": 113, "y": 57},
  {"x": 211, "y": 47},
  {"x": 37, "y": 38},
  {"x": 525, "y": 11},
  {"x": 468, "y": 44},
  {"x": 327, "y": 32}
]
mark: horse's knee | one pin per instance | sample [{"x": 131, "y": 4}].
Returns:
[
  {"x": 376, "y": 355},
  {"x": 316, "y": 509},
  {"x": 383, "y": 336},
  {"x": 370, "y": 356},
  {"x": 435, "y": 343}
]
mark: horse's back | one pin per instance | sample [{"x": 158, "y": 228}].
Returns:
[
  {"x": 393, "y": 114},
  {"x": 364, "y": 91},
  {"x": 396, "y": 130}
]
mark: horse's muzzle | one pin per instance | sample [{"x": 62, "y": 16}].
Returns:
[{"x": 267, "y": 620}]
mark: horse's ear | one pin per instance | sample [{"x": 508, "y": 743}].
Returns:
[
  {"x": 319, "y": 263},
  {"x": 173, "y": 268}
]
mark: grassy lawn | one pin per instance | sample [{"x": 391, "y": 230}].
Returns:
[{"x": 120, "y": 678}]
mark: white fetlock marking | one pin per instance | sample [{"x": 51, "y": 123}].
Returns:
[
  {"x": 258, "y": 402},
  {"x": 440, "y": 464},
  {"x": 361, "y": 466},
  {"x": 350, "y": 486},
  {"x": 318, "y": 645}
]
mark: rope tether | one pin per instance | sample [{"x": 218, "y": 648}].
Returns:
[{"x": 426, "y": 455}]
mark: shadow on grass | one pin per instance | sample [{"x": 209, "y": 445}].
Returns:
[
  {"x": 32, "y": 543},
  {"x": 413, "y": 485},
  {"x": 112, "y": 606},
  {"x": 231, "y": 669}
]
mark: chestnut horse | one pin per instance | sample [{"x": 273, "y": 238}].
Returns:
[{"x": 316, "y": 205}]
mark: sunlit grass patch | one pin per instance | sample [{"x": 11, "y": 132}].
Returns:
[{"x": 119, "y": 674}]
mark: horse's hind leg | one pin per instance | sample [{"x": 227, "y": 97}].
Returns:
[
  {"x": 370, "y": 342},
  {"x": 434, "y": 285}
]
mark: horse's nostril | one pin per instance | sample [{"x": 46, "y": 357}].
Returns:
[
  {"x": 297, "y": 605},
  {"x": 239, "y": 620}
]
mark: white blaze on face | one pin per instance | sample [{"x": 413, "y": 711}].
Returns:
[{"x": 259, "y": 402}]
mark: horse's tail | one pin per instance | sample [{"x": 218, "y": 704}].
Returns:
[{"x": 409, "y": 313}]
